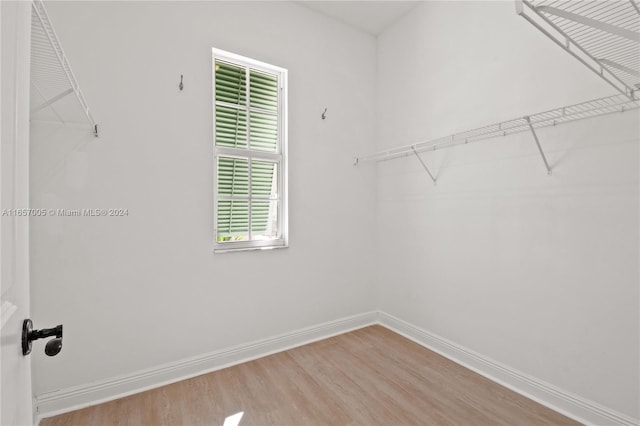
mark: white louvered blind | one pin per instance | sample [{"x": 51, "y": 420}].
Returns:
[{"x": 250, "y": 207}]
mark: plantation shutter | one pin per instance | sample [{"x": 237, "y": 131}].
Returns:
[
  {"x": 264, "y": 123},
  {"x": 247, "y": 187}
]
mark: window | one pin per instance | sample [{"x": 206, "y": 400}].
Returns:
[{"x": 250, "y": 180}]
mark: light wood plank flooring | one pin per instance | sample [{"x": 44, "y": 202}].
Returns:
[{"x": 370, "y": 376}]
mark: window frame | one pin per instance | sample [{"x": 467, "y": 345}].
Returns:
[{"x": 279, "y": 157}]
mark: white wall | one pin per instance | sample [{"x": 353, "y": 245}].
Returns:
[
  {"x": 143, "y": 290},
  {"x": 537, "y": 272}
]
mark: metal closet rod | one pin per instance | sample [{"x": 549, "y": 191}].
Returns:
[
  {"x": 594, "y": 36},
  {"x": 593, "y": 108},
  {"x": 45, "y": 53}
]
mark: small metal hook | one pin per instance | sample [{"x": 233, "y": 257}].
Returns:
[
  {"x": 324, "y": 114},
  {"x": 181, "y": 86}
]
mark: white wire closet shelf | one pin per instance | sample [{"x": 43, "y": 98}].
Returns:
[
  {"x": 593, "y": 108},
  {"x": 603, "y": 35},
  {"x": 55, "y": 93}
]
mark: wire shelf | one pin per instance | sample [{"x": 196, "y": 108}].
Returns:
[
  {"x": 52, "y": 79},
  {"x": 603, "y": 35},
  {"x": 594, "y": 108}
]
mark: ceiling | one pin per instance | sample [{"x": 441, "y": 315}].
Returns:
[{"x": 372, "y": 17}]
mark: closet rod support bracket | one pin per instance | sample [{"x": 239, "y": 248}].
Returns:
[
  {"x": 535, "y": 138},
  {"x": 435, "y": 181}
]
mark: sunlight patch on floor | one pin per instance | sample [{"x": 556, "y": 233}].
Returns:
[{"x": 233, "y": 420}]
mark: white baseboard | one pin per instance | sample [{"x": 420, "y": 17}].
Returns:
[
  {"x": 573, "y": 406},
  {"x": 70, "y": 399}
]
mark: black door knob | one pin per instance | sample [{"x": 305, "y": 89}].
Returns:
[{"x": 52, "y": 348}]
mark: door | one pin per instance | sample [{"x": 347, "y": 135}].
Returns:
[{"x": 16, "y": 406}]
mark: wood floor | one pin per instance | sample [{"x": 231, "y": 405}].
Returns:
[{"x": 370, "y": 376}]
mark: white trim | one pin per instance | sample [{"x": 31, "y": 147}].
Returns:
[
  {"x": 77, "y": 397},
  {"x": 234, "y": 58},
  {"x": 569, "y": 404}
]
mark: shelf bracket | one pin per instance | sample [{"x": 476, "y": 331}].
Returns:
[
  {"x": 52, "y": 100},
  {"x": 593, "y": 23},
  {"x": 424, "y": 165},
  {"x": 535, "y": 137},
  {"x": 619, "y": 67}
]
